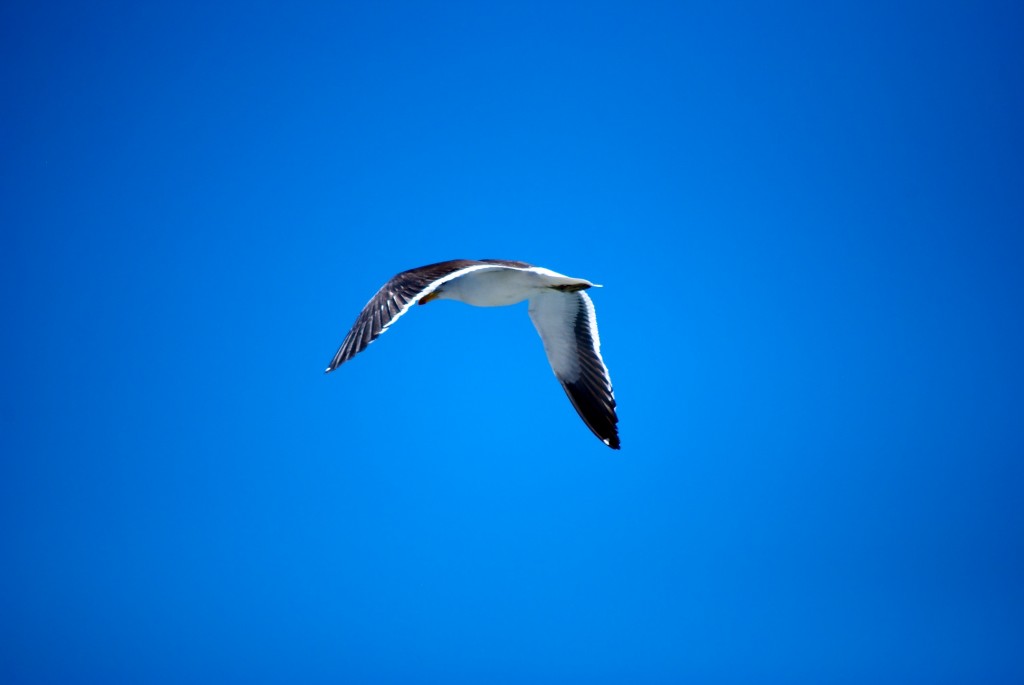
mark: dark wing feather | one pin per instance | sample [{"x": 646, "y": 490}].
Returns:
[
  {"x": 390, "y": 302},
  {"x": 508, "y": 262}
]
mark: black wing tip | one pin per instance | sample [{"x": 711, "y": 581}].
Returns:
[
  {"x": 610, "y": 438},
  {"x": 597, "y": 412}
]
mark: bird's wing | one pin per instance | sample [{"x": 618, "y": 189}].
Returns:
[
  {"x": 394, "y": 299},
  {"x": 568, "y": 326}
]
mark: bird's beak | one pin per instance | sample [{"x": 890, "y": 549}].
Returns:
[{"x": 427, "y": 298}]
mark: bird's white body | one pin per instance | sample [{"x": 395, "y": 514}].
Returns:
[{"x": 502, "y": 287}]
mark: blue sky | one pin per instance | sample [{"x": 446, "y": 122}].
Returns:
[{"x": 807, "y": 219}]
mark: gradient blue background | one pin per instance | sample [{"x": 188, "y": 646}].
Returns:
[{"x": 808, "y": 222}]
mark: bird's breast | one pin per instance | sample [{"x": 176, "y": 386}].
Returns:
[{"x": 492, "y": 288}]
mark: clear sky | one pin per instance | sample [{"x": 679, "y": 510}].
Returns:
[{"x": 808, "y": 221}]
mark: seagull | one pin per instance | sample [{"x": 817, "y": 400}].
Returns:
[{"x": 562, "y": 313}]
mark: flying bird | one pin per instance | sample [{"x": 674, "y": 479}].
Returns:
[{"x": 562, "y": 313}]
